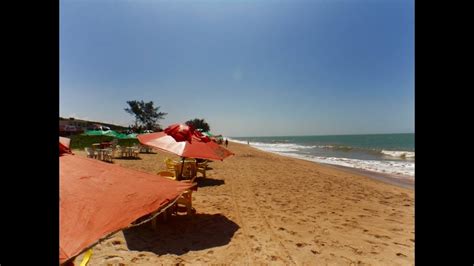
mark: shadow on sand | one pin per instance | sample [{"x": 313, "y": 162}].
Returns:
[
  {"x": 182, "y": 234},
  {"x": 209, "y": 182},
  {"x": 128, "y": 158},
  {"x": 150, "y": 152}
]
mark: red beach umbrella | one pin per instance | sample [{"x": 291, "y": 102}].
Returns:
[
  {"x": 184, "y": 141},
  {"x": 64, "y": 145},
  {"x": 98, "y": 199}
]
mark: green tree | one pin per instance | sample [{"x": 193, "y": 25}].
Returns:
[
  {"x": 199, "y": 124},
  {"x": 146, "y": 115}
]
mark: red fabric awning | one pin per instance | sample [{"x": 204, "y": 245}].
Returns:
[{"x": 97, "y": 199}]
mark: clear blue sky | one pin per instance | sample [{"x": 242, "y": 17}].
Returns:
[{"x": 249, "y": 68}]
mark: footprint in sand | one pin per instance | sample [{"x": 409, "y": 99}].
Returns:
[
  {"x": 400, "y": 244},
  {"x": 380, "y": 236},
  {"x": 114, "y": 260},
  {"x": 396, "y": 229},
  {"x": 111, "y": 257},
  {"x": 355, "y": 250},
  {"x": 401, "y": 255},
  {"x": 300, "y": 245},
  {"x": 375, "y": 249}
]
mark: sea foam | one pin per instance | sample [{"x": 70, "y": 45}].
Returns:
[
  {"x": 401, "y": 154},
  {"x": 401, "y": 169},
  {"x": 404, "y": 170},
  {"x": 276, "y": 147}
]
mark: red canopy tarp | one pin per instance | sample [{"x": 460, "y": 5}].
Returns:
[
  {"x": 191, "y": 149},
  {"x": 97, "y": 199}
]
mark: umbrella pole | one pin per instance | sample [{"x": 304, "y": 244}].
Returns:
[{"x": 182, "y": 166}]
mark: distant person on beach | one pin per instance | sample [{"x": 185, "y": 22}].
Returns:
[
  {"x": 226, "y": 142},
  {"x": 248, "y": 143}
]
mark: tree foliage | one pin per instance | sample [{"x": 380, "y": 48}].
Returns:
[
  {"x": 146, "y": 115},
  {"x": 199, "y": 124}
]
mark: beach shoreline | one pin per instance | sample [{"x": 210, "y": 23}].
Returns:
[
  {"x": 403, "y": 181},
  {"x": 257, "y": 207}
]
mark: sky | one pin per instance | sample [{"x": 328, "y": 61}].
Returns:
[{"x": 249, "y": 68}]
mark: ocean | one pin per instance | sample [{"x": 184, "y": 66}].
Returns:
[{"x": 392, "y": 154}]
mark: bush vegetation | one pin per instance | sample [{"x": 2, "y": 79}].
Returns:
[{"x": 82, "y": 141}]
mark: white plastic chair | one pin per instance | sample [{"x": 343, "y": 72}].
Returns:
[
  {"x": 109, "y": 155},
  {"x": 90, "y": 153}
]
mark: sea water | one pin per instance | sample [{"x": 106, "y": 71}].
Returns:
[{"x": 382, "y": 153}]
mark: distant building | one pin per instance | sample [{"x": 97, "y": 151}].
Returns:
[
  {"x": 76, "y": 123},
  {"x": 72, "y": 126}
]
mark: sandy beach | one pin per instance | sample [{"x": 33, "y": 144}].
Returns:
[{"x": 263, "y": 208}]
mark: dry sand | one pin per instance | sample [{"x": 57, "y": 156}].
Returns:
[{"x": 262, "y": 208}]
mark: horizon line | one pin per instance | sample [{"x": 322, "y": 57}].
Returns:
[{"x": 357, "y": 134}]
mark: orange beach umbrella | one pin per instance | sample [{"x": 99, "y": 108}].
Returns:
[{"x": 98, "y": 199}]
